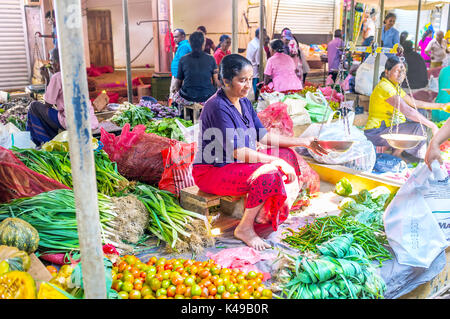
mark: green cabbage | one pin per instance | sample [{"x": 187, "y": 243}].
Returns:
[{"x": 343, "y": 187}]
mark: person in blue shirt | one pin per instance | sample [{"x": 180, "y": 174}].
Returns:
[
  {"x": 389, "y": 35},
  {"x": 183, "y": 48}
]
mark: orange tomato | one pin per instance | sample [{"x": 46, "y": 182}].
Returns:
[
  {"x": 159, "y": 268},
  {"x": 244, "y": 294},
  {"x": 205, "y": 292},
  {"x": 179, "y": 269},
  {"x": 181, "y": 289},
  {"x": 204, "y": 274},
  {"x": 171, "y": 291},
  {"x": 226, "y": 295},
  {"x": 122, "y": 266},
  {"x": 119, "y": 276},
  {"x": 52, "y": 270},
  {"x": 188, "y": 292},
  {"x": 137, "y": 286},
  {"x": 135, "y": 272},
  {"x": 143, "y": 274},
  {"x": 212, "y": 290}
]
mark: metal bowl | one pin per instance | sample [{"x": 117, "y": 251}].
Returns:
[
  {"x": 403, "y": 141},
  {"x": 336, "y": 146}
]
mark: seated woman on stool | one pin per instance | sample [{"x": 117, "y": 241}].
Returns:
[
  {"x": 196, "y": 79},
  {"x": 282, "y": 72},
  {"x": 43, "y": 120},
  {"x": 228, "y": 164},
  {"x": 388, "y": 98}
]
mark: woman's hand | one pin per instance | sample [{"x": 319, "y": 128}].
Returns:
[
  {"x": 434, "y": 129},
  {"x": 311, "y": 143},
  {"x": 433, "y": 153},
  {"x": 287, "y": 169}
]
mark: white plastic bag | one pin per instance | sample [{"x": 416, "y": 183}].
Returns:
[
  {"x": 364, "y": 74},
  {"x": 437, "y": 197},
  {"x": 11, "y": 136},
  {"x": 190, "y": 134},
  {"x": 265, "y": 99},
  {"x": 361, "y": 156},
  {"x": 297, "y": 111},
  {"x": 411, "y": 230}
]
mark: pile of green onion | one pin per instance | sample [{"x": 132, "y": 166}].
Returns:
[
  {"x": 53, "y": 214},
  {"x": 168, "y": 220},
  {"x": 56, "y": 165}
]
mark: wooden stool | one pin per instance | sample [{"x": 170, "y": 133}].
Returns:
[
  {"x": 196, "y": 108},
  {"x": 193, "y": 199}
]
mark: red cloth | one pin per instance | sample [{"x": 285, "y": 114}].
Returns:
[
  {"x": 236, "y": 179},
  {"x": 169, "y": 42}
]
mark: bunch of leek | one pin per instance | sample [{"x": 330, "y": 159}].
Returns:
[
  {"x": 56, "y": 165},
  {"x": 168, "y": 220},
  {"x": 53, "y": 214}
]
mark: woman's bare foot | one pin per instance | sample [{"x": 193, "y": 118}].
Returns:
[
  {"x": 249, "y": 237},
  {"x": 261, "y": 217}
]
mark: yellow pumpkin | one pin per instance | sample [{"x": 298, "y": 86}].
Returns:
[
  {"x": 47, "y": 291},
  {"x": 17, "y": 285}
]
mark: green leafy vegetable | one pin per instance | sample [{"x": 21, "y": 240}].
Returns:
[
  {"x": 167, "y": 127},
  {"x": 344, "y": 187}
]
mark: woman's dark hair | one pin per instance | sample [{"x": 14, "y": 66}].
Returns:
[
  {"x": 222, "y": 39},
  {"x": 389, "y": 15},
  {"x": 202, "y": 28},
  {"x": 231, "y": 66},
  {"x": 408, "y": 46},
  {"x": 390, "y": 63},
  {"x": 50, "y": 14},
  {"x": 427, "y": 33},
  {"x": 277, "y": 45},
  {"x": 196, "y": 41},
  {"x": 403, "y": 37}
]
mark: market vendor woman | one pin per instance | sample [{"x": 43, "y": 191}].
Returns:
[
  {"x": 43, "y": 120},
  {"x": 390, "y": 105},
  {"x": 227, "y": 162}
]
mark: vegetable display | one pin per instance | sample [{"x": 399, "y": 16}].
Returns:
[
  {"x": 160, "y": 111},
  {"x": 160, "y": 278},
  {"x": 322, "y": 229},
  {"x": 133, "y": 114},
  {"x": 170, "y": 222},
  {"x": 53, "y": 215},
  {"x": 167, "y": 127},
  {"x": 56, "y": 165},
  {"x": 342, "y": 270}
]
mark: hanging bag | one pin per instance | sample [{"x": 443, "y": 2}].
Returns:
[{"x": 411, "y": 229}]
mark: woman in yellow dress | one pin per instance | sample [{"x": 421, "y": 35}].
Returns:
[{"x": 391, "y": 106}]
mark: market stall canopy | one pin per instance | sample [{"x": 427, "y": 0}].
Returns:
[{"x": 405, "y": 4}]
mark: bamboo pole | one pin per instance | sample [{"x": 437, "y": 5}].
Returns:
[
  {"x": 378, "y": 56},
  {"x": 127, "y": 51},
  {"x": 261, "y": 40},
  {"x": 234, "y": 27},
  {"x": 76, "y": 99},
  {"x": 417, "y": 25}
]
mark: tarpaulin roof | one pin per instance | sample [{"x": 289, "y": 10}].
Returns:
[{"x": 404, "y": 4}]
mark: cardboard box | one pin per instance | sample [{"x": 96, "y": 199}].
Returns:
[{"x": 38, "y": 271}]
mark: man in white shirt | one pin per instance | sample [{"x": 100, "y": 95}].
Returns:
[
  {"x": 437, "y": 50},
  {"x": 253, "y": 57},
  {"x": 369, "y": 29}
]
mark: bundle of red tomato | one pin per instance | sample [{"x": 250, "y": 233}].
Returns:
[{"x": 184, "y": 278}]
